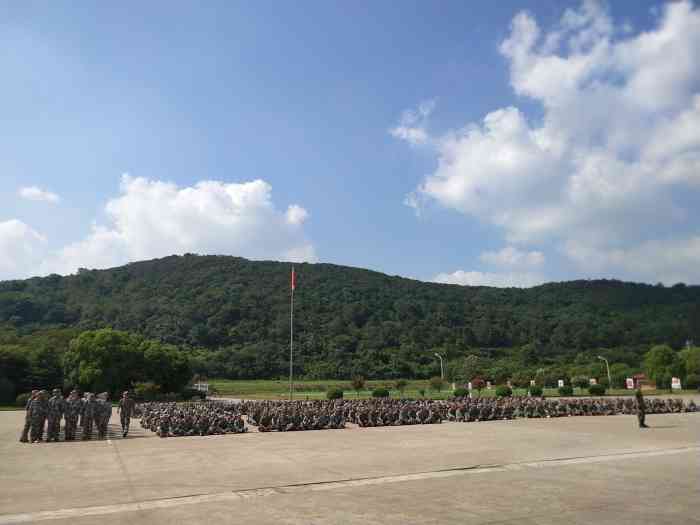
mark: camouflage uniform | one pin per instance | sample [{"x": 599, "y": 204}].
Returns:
[
  {"x": 56, "y": 409},
  {"x": 102, "y": 415},
  {"x": 24, "y": 438},
  {"x": 39, "y": 409},
  {"x": 126, "y": 410},
  {"x": 88, "y": 417},
  {"x": 641, "y": 408},
  {"x": 73, "y": 407}
]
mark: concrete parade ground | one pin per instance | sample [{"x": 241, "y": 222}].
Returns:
[{"x": 587, "y": 470}]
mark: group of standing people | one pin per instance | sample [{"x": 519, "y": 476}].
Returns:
[{"x": 87, "y": 412}]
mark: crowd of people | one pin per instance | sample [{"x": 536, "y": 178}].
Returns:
[
  {"x": 285, "y": 416},
  {"x": 81, "y": 414},
  {"x": 220, "y": 417},
  {"x": 204, "y": 418}
]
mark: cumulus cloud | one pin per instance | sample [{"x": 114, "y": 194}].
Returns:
[
  {"x": 151, "y": 218},
  {"x": 511, "y": 256},
  {"x": 411, "y": 126},
  {"x": 501, "y": 280},
  {"x": 21, "y": 249},
  {"x": 34, "y": 193},
  {"x": 296, "y": 215},
  {"x": 668, "y": 261},
  {"x": 618, "y": 141}
]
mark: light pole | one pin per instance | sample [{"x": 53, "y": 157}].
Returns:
[
  {"x": 607, "y": 365},
  {"x": 442, "y": 369}
]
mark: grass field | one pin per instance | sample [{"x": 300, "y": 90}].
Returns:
[{"x": 316, "y": 389}]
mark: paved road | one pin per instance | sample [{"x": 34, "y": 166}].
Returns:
[{"x": 567, "y": 470}]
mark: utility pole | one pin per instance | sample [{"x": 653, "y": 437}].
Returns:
[
  {"x": 442, "y": 369},
  {"x": 291, "y": 339}
]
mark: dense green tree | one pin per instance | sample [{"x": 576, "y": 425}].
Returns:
[
  {"x": 660, "y": 363},
  {"x": 358, "y": 384},
  {"x": 231, "y": 317},
  {"x": 165, "y": 365},
  {"x": 690, "y": 360},
  {"x": 104, "y": 360},
  {"x": 619, "y": 372}
]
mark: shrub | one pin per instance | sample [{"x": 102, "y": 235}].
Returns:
[
  {"x": 596, "y": 390},
  {"x": 358, "y": 383},
  {"x": 334, "y": 393},
  {"x": 580, "y": 381},
  {"x": 401, "y": 385},
  {"x": 380, "y": 392},
  {"x": 504, "y": 391},
  {"x": 436, "y": 383},
  {"x": 147, "y": 391},
  {"x": 22, "y": 399},
  {"x": 692, "y": 381},
  {"x": 566, "y": 390},
  {"x": 536, "y": 391},
  {"x": 421, "y": 392},
  {"x": 189, "y": 393},
  {"x": 171, "y": 397},
  {"x": 478, "y": 384},
  {"x": 460, "y": 392}
]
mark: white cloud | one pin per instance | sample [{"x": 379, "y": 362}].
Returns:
[
  {"x": 21, "y": 249},
  {"x": 501, "y": 280},
  {"x": 152, "y": 219},
  {"x": 296, "y": 215},
  {"x": 668, "y": 261},
  {"x": 411, "y": 126},
  {"x": 511, "y": 256},
  {"x": 618, "y": 140},
  {"x": 34, "y": 193}
]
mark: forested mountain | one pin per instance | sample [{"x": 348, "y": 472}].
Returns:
[{"x": 232, "y": 315}]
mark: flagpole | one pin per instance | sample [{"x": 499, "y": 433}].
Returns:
[{"x": 291, "y": 340}]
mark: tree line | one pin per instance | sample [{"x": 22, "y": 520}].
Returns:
[{"x": 230, "y": 317}]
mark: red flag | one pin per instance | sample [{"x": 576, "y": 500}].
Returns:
[{"x": 294, "y": 279}]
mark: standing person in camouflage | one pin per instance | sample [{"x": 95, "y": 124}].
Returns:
[
  {"x": 641, "y": 408},
  {"x": 72, "y": 410},
  {"x": 126, "y": 410},
  {"x": 24, "y": 438},
  {"x": 103, "y": 414},
  {"x": 39, "y": 409},
  {"x": 56, "y": 410},
  {"x": 89, "y": 415}
]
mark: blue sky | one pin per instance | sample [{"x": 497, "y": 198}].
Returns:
[{"x": 321, "y": 104}]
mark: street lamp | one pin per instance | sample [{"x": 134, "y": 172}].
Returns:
[
  {"x": 607, "y": 365},
  {"x": 442, "y": 369}
]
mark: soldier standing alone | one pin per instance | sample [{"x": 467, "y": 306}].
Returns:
[
  {"x": 641, "y": 409},
  {"x": 126, "y": 410}
]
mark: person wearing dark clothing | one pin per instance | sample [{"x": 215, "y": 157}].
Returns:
[{"x": 641, "y": 409}]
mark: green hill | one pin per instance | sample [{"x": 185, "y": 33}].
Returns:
[{"x": 233, "y": 316}]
